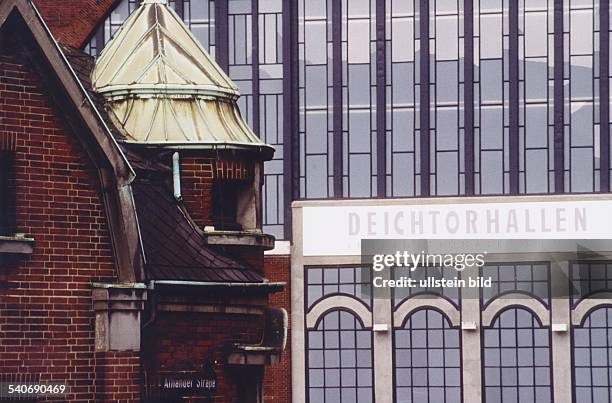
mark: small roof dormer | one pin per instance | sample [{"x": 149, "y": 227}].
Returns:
[{"x": 164, "y": 89}]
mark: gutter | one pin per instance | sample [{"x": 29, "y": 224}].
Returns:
[{"x": 276, "y": 286}]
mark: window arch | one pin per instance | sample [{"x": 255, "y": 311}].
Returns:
[
  {"x": 427, "y": 363},
  {"x": 592, "y": 357},
  {"x": 516, "y": 359},
  {"x": 339, "y": 360},
  {"x": 530, "y": 278}
]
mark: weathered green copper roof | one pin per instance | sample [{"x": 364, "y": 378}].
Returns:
[{"x": 164, "y": 88}]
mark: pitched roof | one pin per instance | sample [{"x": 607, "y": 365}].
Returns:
[
  {"x": 163, "y": 88},
  {"x": 174, "y": 249},
  {"x": 24, "y": 21},
  {"x": 154, "y": 48}
]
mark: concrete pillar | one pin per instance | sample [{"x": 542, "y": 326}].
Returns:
[
  {"x": 470, "y": 338},
  {"x": 298, "y": 332},
  {"x": 383, "y": 345},
  {"x": 118, "y": 310},
  {"x": 561, "y": 347}
]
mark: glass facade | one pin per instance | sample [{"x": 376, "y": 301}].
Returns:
[
  {"x": 315, "y": 99},
  {"x": 427, "y": 359},
  {"x": 446, "y": 108},
  {"x": 536, "y": 105},
  {"x": 531, "y": 279},
  {"x": 340, "y": 280},
  {"x": 491, "y": 97},
  {"x": 582, "y": 122},
  {"x": 517, "y": 359},
  {"x": 514, "y": 118},
  {"x": 402, "y": 97},
  {"x": 340, "y": 360},
  {"x": 593, "y": 357}
]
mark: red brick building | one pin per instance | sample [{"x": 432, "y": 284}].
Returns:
[{"x": 131, "y": 252}]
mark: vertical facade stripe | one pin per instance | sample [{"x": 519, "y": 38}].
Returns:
[
  {"x": 222, "y": 35},
  {"x": 337, "y": 94},
  {"x": 469, "y": 95},
  {"x": 100, "y": 38},
  {"x": 558, "y": 97},
  {"x": 513, "y": 97},
  {"x": 424, "y": 95},
  {"x": 179, "y": 7},
  {"x": 604, "y": 94},
  {"x": 255, "y": 63},
  {"x": 291, "y": 168},
  {"x": 381, "y": 108}
]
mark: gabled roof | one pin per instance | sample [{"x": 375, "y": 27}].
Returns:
[{"x": 114, "y": 169}]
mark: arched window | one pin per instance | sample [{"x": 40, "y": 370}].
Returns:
[
  {"x": 338, "y": 280},
  {"x": 593, "y": 358},
  {"x": 516, "y": 359},
  {"x": 339, "y": 360},
  {"x": 528, "y": 278},
  {"x": 427, "y": 359}
]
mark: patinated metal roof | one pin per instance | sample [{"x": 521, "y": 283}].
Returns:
[{"x": 163, "y": 87}]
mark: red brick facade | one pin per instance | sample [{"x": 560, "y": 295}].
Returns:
[
  {"x": 47, "y": 320},
  {"x": 46, "y": 317},
  {"x": 277, "y": 379},
  {"x": 191, "y": 338},
  {"x": 73, "y": 21},
  {"x": 197, "y": 174},
  {"x": 117, "y": 376}
]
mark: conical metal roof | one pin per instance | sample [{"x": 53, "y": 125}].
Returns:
[{"x": 164, "y": 88}]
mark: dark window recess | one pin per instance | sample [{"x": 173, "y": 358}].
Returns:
[
  {"x": 7, "y": 202},
  {"x": 225, "y": 205}
]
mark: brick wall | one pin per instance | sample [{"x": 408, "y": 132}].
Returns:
[
  {"x": 184, "y": 340},
  {"x": 277, "y": 378},
  {"x": 73, "y": 21},
  {"x": 197, "y": 175},
  {"x": 117, "y": 376},
  {"x": 46, "y": 316}
]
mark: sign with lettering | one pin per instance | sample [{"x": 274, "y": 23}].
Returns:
[
  {"x": 338, "y": 229},
  {"x": 184, "y": 382},
  {"x": 188, "y": 382}
]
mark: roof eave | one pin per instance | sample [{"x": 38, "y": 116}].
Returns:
[{"x": 266, "y": 151}]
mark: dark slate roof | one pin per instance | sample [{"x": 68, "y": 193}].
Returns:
[
  {"x": 144, "y": 165},
  {"x": 174, "y": 249}
]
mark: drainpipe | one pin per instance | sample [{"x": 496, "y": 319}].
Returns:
[
  {"x": 176, "y": 175},
  {"x": 153, "y": 305}
]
